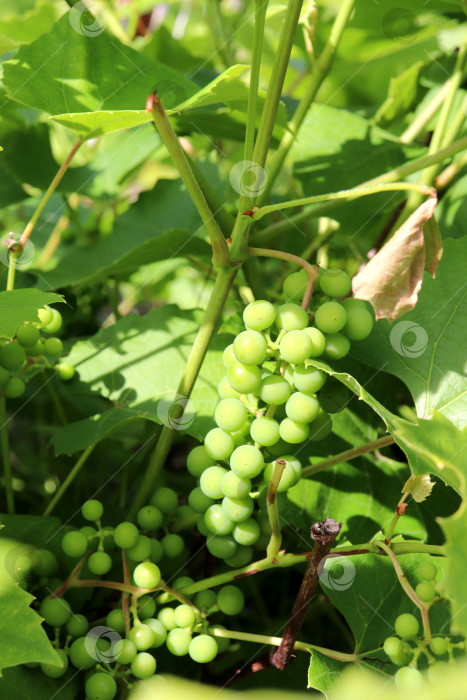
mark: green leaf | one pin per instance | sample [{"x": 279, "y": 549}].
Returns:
[
  {"x": 455, "y": 528},
  {"x": 163, "y": 224},
  {"x": 22, "y": 22},
  {"x": 100, "y": 73},
  {"x": 31, "y": 684},
  {"x": 323, "y": 671},
  {"x": 425, "y": 348},
  {"x": 402, "y": 94},
  {"x": 20, "y": 306}
]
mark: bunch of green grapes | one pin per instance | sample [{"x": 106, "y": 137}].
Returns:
[
  {"x": 33, "y": 346},
  {"x": 409, "y": 647},
  {"x": 272, "y": 398}
]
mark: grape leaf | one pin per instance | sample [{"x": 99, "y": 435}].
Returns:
[
  {"x": 455, "y": 528},
  {"x": 19, "y": 306},
  {"x": 423, "y": 349},
  {"x": 31, "y": 684},
  {"x": 323, "y": 671}
]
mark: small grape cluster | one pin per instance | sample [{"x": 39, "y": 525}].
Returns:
[
  {"x": 29, "y": 350},
  {"x": 408, "y": 648},
  {"x": 270, "y": 400},
  {"x": 125, "y": 651}
]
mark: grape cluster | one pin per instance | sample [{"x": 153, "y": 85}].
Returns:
[
  {"x": 34, "y": 346},
  {"x": 271, "y": 399},
  {"x": 155, "y": 618},
  {"x": 408, "y": 647}
]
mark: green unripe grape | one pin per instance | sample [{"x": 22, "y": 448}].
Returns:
[
  {"x": 165, "y": 499},
  {"x": 428, "y": 571},
  {"x": 392, "y": 646},
  {"x": 184, "y": 516},
  {"x": 156, "y": 551},
  {"x": 4, "y": 376},
  {"x": 205, "y": 599},
  {"x": 247, "y": 461},
  {"x": 408, "y": 679},
  {"x": 274, "y": 390},
  {"x": 230, "y": 414},
  {"x": 294, "y": 432},
  {"x": 226, "y": 390},
  {"x": 116, "y": 620},
  {"x": 334, "y": 396},
  {"x": 55, "y": 611},
  {"x": 141, "y": 550},
  {"x": 238, "y": 509},
  {"x": 406, "y": 626},
  {"x": 74, "y": 543},
  {"x": 295, "y": 346},
  {"x": 351, "y": 303},
  {"x": 178, "y": 641},
  {"x": 181, "y": 582},
  {"x": 330, "y": 317},
  {"x": 221, "y": 547},
  {"x": 228, "y": 357},
  {"x": 27, "y": 335},
  {"x": 265, "y": 431},
  {"x": 230, "y": 600},
  {"x": 359, "y": 324},
  {"x": 438, "y": 646},
  {"x": 12, "y": 356},
  {"x": 250, "y": 347},
  {"x": 147, "y": 575},
  {"x": 36, "y": 349},
  {"x": 198, "y": 460},
  {"x": 241, "y": 436},
  {"x": 79, "y": 655},
  {"x": 291, "y": 317},
  {"x": 199, "y": 501},
  {"x": 99, "y": 563},
  {"x": 160, "y": 632},
  {"x": 149, "y": 518},
  {"x": 318, "y": 341},
  {"x": 223, "y": 643},
  {"x": 235, "y": 486},
  {"x": 172, "y": 545},
  {"x": 302, "y": 408},
  {"x": 166, "y": 617},
  {"x": 290, "y": 476},
  {"x": 53, "y": 347},
  {"x": 65, "y": 371},
  {"x": 259, "y": 315},
  {"x": 100, "y": 686},
  {"x": 217, "y": 521},
  {"x": 14, "y": 388},
  {"x": 143, "y": 666},
  {"x": 321, "y": 427},
  {"x": 210, "y": 482},
  {"x": 55, "y": 324},
  {"x": 92, "y": 510},
  {"x": 56, "y": 671},
  {"x": 184, "y": 616},
  {"x": 45, "y": 315},
  {"x": 308, "y": 380},
  {"x": 426, "y": 591},
  {"x": 247, "y": 532},
  {"x": 124, "y": 651},
  {"x": 126, "y": 535},
  {"x": 294, "y": 286},
  {"x": 337, "y": 346},
  {"x": 219, "y": 444},
  {"x": 89, "y": 532},
  {"x": 335, "y": 283},
  {"x": 242, "y": 557},
  {"x": 142, "y": 636},
  {"x": 203, "y": 649},
  {"x": 245, "y": 379},
  {"x": 44, "y": 563},
  {"x": 146, "y": 607}
]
